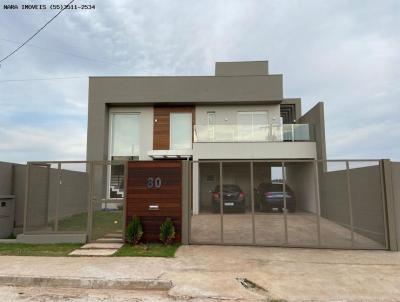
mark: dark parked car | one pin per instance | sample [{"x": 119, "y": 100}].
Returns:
[
  {"x": 269, "y": 197},
  {"x": 233, "y": 198}
]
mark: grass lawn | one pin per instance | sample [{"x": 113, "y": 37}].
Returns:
[
  {"x": 22, "y": 249},
  {"x": 103, "y": 223},
  {"x": 153, "y": 250}
]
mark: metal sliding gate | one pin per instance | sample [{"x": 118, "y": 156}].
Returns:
[{"x": 294, "y": 203}]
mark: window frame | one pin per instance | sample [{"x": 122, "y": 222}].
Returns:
[
  {"x": 111, "y": 113},
  {"x": 170, "y": 129},
  {"x": 252, "y": 113}
]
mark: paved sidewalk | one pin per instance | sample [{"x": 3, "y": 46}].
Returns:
[{"x": 210, "y": 272}]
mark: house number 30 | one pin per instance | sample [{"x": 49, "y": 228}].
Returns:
[{"x": 153, "y": 182}]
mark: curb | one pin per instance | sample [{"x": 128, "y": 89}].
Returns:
[{"x": 91, "y": 283}]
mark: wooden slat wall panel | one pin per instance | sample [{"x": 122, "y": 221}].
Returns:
[
  {"x": 168, "y": 196},
  {"x": 161, "y": 135}
]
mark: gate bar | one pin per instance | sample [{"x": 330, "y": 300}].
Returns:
[
  {"x": 57, "y": 196},
  {"x": 252, "y": 201},
  {"x": 386, "y": 203},
  {"x": 221, "y": 201},
  {"x": 350, "y": 203},
  {"x": 284, "y": 203},
  {"x": 27, "y": 180},
  {"x": 317, "y": 200},
  {"x": 90, "y": 210},
  {"x": 125, "y": 201}
]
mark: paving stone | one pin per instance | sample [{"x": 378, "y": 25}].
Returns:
[
  {"x": 113, "y": 235},
  {"x": 93, "y": 252},
  {"x": 102, "y": 245},
  {"x": 110, "y": 240}
]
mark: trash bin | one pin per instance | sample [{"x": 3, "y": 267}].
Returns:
[{"x": 6, "y": 215}]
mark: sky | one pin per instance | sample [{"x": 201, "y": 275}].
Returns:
[{"x": 344, "y": 53}]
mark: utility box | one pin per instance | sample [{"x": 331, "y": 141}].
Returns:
[{"x": 7, "y": 212}]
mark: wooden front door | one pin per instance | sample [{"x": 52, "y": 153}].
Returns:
[{"x": 154, "y": 193}]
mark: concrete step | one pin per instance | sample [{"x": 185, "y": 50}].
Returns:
[
  {"x": 93, "y": 252},
  {"x": 110, "y": 240},
  {"x": 102, "y": 245},
  {"x": 113, "y": 235},
  {"x": 75, "y": 282}
]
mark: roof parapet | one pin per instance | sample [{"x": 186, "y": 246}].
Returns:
[{"x": 241, "y": 68}]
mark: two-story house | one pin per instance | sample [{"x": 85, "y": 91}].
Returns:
[{"x": 238, "y": 114}]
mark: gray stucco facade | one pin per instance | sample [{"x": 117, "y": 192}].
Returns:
[{"x": 245, "y": 84}]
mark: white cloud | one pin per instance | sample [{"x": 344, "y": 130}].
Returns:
[{"x": 23, "y": 143}]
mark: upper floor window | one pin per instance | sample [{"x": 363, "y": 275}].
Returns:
[
  {"x": 211, "y": 121},
  {"x": 252, "y": 125},
  {"x": 211, "y": 118},
  {"x": 180, "y": 131},
  {"x": 125, "y": 134}
]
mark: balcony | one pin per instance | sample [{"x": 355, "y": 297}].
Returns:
[{"x": 254, "y": 133}]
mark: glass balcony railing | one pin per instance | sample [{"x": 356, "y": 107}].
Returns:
[{"x": 254, "y": 133}]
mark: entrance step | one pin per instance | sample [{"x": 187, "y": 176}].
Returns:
[
  {"x": 113, "y": 235},
  {"x": 110, "y": 240},
  {"x": 102, "y": 245},
  {"x": 93, "y": 252}
]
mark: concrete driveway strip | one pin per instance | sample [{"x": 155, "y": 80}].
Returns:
[{"x": 211, "y": 272}]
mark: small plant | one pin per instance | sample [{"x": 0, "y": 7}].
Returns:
[
  {"x": 12, "y": 236},
  {"x": 134, "y": 231},
  {"x": 167, "y": 232}
]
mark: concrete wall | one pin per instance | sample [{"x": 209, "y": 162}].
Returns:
[
  {"x": 396, "y": 196},
  {"x": 141, "y": 91},
  {"x": 227, "y": 115},
  {"x": 187, "y": 89},
  {"x": 73, "y": 192},
  {"x": 301, "y": 179},
  {"x": 315, "y": 116},
  {"x": 6, "y": 173},
  {"x": 297, "y": 103},
  {"x": 42, "y": 202},
  {"x": 241, "y": 68},
  {"x": 19, "y": 192},
  {"x": 39, "y": 197},
  {"x": 366, "y": 199},
  {"x": 7, "y": 204},
  {"x": 255, "y": 150}
]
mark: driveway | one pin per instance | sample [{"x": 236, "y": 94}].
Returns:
[
  {"x": 211, "y": 272},
  {"x": 270, "y": 230}
]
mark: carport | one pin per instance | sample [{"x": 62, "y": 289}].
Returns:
[{"x": 337, "y": 204}]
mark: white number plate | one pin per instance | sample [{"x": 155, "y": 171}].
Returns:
[{"x": 229, "y": 203}]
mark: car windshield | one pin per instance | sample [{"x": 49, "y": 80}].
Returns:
[{"x": 228, "y": 188}]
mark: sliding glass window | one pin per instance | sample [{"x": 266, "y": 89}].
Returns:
[
  {"x": 252, "y": 126},
  {"x": 181, "y": 131},
  {"x": 125, "y": 134},
  {"x": 124, "y": 144}
]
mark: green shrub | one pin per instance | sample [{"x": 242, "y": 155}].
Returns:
[
  {"x": 134, "y": 231},
  {"x": 167, "y": 232}
]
